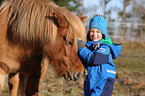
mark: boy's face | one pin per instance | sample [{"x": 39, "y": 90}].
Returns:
[{"x": 95, "y": 34}]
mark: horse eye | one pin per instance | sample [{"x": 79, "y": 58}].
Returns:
[{"x": 69, "y": 43}]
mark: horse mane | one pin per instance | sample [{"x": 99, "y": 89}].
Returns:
[{"x": 27, "y": 20}]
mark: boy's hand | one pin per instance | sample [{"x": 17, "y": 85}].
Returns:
[
  {"x": 80, "y": 43},
  {"x": 96, "y": 46}
]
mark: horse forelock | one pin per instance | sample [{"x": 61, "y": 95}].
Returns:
[{"x": 76, "y": 26}]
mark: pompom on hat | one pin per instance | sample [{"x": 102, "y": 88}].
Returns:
[{"x": 99, "y": 22}]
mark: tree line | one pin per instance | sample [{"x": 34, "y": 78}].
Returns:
[{"x": 136, "y": 13}]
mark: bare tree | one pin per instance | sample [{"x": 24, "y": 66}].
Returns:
[
  {"x": 105, "y": 5},
  {"x": 80, "y": 10},
  {"x": 138, "y": 16},
  {"x": 126, "y": 3}
]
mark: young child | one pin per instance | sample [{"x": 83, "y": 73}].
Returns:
[{"x": 97, "y": 59}]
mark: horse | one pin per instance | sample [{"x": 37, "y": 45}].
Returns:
[{"x": 33, "y": 34}]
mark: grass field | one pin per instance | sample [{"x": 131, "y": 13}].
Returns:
[{"x": 130, "y": 78}]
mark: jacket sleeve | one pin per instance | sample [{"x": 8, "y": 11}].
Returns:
[{"x": 98, "y": 57}]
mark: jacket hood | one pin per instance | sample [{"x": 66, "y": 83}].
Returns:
[{"x": 115, "y": 49}]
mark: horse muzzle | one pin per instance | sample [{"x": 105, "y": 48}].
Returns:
[{"x": 72, "y": 76}]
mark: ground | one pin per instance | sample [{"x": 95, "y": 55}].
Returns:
[{"x": 130, "y": 78}]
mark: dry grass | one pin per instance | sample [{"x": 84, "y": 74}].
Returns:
[{"x": 130, "y": 78}]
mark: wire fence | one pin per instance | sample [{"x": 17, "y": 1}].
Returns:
[{"x": 126, "y": 32}]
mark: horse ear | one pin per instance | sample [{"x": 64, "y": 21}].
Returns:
[
  {"x": 83, "y": 18},
  {"x": 60, "y": 20}
]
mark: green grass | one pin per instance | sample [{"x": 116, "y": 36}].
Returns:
[{"x": 130, "y": 78}]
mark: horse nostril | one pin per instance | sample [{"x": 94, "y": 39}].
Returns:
[
  {"x": 69, "y": 75},
  {"x": 76, "y": 76}
]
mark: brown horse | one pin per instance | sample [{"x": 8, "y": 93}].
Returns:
[{"x": 34, "y": 33}]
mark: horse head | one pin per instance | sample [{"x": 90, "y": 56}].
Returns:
[{"x": 63, "y": 53}]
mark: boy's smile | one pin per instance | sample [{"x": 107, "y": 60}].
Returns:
[{"x": 95, "y": 34}]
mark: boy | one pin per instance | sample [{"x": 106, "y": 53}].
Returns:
[{"x": 97, "y": 59}]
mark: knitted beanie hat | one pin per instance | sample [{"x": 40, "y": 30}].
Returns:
[{"x": 100, "y": 23}]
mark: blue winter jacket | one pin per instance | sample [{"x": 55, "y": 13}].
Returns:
[{"x": 99, "y": 63}]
